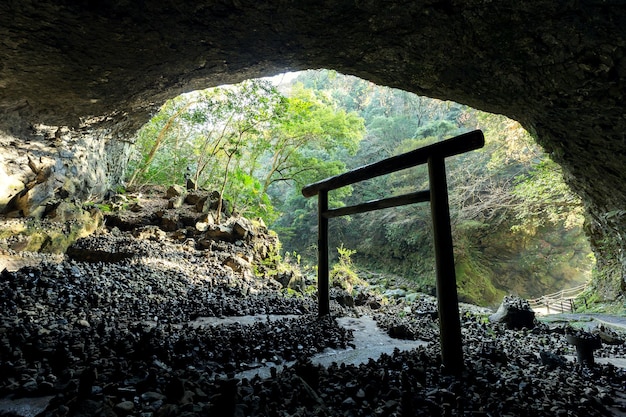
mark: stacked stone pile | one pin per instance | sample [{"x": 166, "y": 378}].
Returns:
[
  {"x": 111, "y": 335},
  {"x": 104, "y": 324},
  {"x": 515, "y": 313}
]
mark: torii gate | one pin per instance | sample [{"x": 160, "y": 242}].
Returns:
[{"x": 434, "y": 155}]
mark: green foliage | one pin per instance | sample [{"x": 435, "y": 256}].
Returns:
[
  {"x": 436, "y": 130},
  {"x": 271, "y": 265},
  {"x": 475, "y": 277},
  {"x": 247, "y": 141},
  {"x": 343, "y": 273},
  {"x": 105, "y": 208},
  {"x": 516, "y": 226},
  {"x": 545, "y": 198},
  {"x": 247, "y": 193}
]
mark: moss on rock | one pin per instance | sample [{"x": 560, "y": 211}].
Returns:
[{"x": 60, "y": 227}]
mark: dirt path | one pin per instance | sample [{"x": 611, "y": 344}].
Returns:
[{"x": 593, "y": 319}]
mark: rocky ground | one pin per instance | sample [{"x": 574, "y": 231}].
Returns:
[{"x": 117, "y": 328}]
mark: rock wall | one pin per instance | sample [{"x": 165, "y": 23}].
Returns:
[{"x": 44, "y": 165}]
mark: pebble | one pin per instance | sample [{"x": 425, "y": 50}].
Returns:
[
  {"x": 125, "y": 406},
  {"x": 151, "y": 396}
]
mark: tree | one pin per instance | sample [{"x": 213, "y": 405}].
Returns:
[
  {"x": 244, "y": 139},
  {"x": 512, "y": 214},
  {"x": 162, "y": 131},
  {"x": 309, "y": 124}
]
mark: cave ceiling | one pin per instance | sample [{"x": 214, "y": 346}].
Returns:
[{"x": 556, "y": 66}]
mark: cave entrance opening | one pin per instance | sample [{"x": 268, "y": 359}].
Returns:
[
  {"x": 434, "y": 155},
  {"x": 517, "y": 227}
]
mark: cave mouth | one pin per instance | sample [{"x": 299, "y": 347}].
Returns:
[
  {"x": 141, "y": 320},
  {"x": 103, "y": 69},
  {"x": 529, "y": 242},
  {"x": 100, "y": 69}
]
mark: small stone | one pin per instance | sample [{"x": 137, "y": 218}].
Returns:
[
  {"x": 125, "y": 406},
  {"x": 349, "y": 402},
  {"x": 188, "y": 397},
  {"x": 395, "y": 293},
  {"x": 83, "y": 323},
  {"x": 202, "y": 226},
  {"x": 391, "y": 404},
  {"x": 220, "y": 231},
  {"x": 242, "y": 228},
  {"x": 152, "y": 396},
  {"x": 126, "y": 392},
  {"x": 30, "y": 386}
]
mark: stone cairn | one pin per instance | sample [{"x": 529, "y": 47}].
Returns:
[{"x": 515, "y": 313}]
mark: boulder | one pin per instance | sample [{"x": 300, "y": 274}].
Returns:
[
  {"x": 123, "y": 221},
  {"x": 206, "y": 205},
  {"x": 401, "y": 331},
  {"x": 170, "y": 222},
  {"x": 608, "y": 336},
  {"x": 149, "y": 233},
  {"x": 219, "y": 232},
  {"x": 64, "y": 222},
  {"x": 243, "y": 228},
  {"x": 176, "y": 202},
  {"x": 292, "y": 280},
  {"x": 194, "y": 197},
  {"x": 237, "y": 264},
  {"x": 188, "y": 219},
  {"x": 585, "y": 343},
  {"x": 367, "y": 298},
  {"x": 297, "y": 283},
  {"x": 175, "y": 191},
  {"x": 342, "y": 297},
  {"x": 515, "y": 312}
]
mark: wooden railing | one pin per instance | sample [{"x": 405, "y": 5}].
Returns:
[
  {"x": 434, "y": 155},
  {"x": 559, "y": 302}
]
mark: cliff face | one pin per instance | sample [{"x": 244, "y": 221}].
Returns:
[{"x": 92, "y": 73}]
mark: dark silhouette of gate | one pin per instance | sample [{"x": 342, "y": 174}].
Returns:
[{"x": 434, "y": 155}]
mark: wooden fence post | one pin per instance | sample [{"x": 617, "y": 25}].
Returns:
[
  {"x": 323, "y": 284},
  {"x": 447, "y": 298}
]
